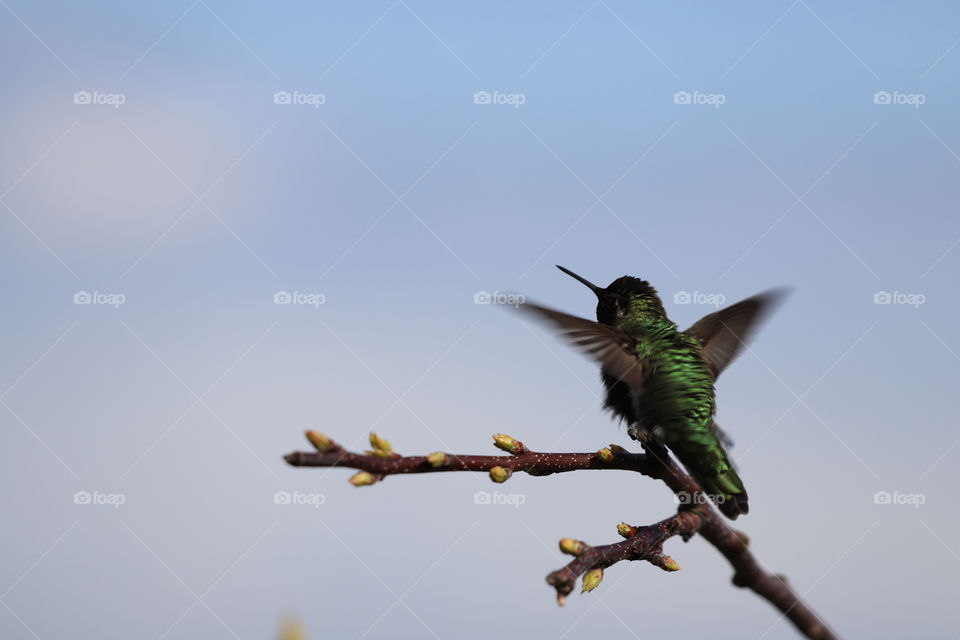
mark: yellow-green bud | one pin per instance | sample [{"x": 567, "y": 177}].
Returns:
[
  {"x": 605, "y": 454},
  {"x": 626, "y": 530},
  {"x": 670, "y": 564},
  {"x": 591, "y": 580},
  {"x": 362, "y": 479},
  {"x": 381, "y": 446},
  {"x": 320, "y": 441},
  {"x": 508, "y": 444},
  {"x": 571, "y": 547},
  {"x": 499, "y": 474},
  {"x": 438, "y": 459}
]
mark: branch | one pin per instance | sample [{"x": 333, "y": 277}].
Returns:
[{"x": 695, "y": 515}]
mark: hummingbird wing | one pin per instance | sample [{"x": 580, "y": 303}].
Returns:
[
  {"x": 614, "y": 350},
  {"x": 724, "y": 333}
]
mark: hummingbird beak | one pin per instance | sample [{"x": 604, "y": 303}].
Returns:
[{"x": 597, "y": 290}]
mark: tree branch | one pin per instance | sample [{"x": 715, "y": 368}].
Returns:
[{"x": 695, "y": 514}]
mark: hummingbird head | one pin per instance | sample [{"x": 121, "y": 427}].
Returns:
[{"x": 625, "y": 297}]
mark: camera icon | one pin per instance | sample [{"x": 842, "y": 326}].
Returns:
[
  {"x": 882, "y": 497},
  {"x": 482, "y": 297},
  {"x": 882, "y": 97},
  {"x": 682, "y": 297},
  {"x": 82, "y": 297},
  {"x": 282, "y": 297},
  {"x": 82, "y": 97},
  {"x": 482, "y": 497},
  {"x": 482, "y": 97},
  {"x": 882, "y": 297},
  {"x": 282, "y": 97},
  {"x": 81, "y": 497},
  {"x": 681, "y": 97},
  {"x": 282, "y": 497}
]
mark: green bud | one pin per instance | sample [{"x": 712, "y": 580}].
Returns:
[
  {"x": 362, "y": 479},
  {"x": 508, "y": 444},
  {"x": 438, "y": 459},
  {"x": 670, "y": 564},
  {"x": 571, "y": 547},
  {"x": 605, "y": 454},
  {"x": 320, "y": 442},
  {"x": 591, "y": 580},
  {"x": 626, "y": 530},
  {"x": 381, "y": 446},
  {"x": 499, "y": 474}
]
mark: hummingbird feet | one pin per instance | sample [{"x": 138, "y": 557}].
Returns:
[
  {"x": 652, "y": 440},
  {"x": 656, "y": 435}
]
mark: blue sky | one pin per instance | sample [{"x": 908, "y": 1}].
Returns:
[{"x": 168, "y": 170}]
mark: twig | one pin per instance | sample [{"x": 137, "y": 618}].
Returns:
[{"x": 695, "y": 515}]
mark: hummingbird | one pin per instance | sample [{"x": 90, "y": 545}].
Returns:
[{"x": 659, "y": 380}]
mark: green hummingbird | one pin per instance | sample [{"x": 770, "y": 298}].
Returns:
[{"x": 660, "y": 380}]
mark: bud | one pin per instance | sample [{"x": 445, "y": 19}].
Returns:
[
  {"x": 381, "y": 446},
  {"x": 508, "y": 444},
  {"x": 362, "y": 479},
  {"x": 663, "y": 561},
  {"x": 626, "y": 530},
  {"x": 499, "y": 474},
  {"x": 591, "y": 580},
  {"x": 617, "y": 449},
  {"x": 561, "y": 599},
  {"x": 320, "y": 441},
  {"x": 605, "y": 454},
  {"x": 571, "y": 547},
  {"x": 438, "y": 459}
]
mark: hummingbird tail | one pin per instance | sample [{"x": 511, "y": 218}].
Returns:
[{"x": 727, "y": 492}]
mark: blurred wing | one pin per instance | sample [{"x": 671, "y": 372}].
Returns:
[
  {"x": 724, "y": 333},
  {"x": 614, "y": 350}
]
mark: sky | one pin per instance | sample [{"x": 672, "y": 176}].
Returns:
[{"x": 225, "y": 223}]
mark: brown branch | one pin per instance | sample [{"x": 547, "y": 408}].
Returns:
[{"x": 695, "y": 515}]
